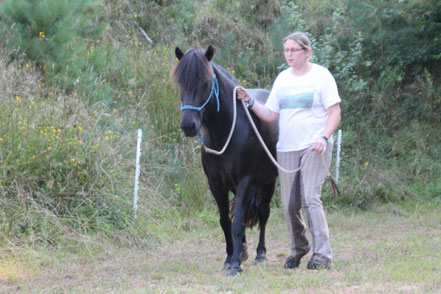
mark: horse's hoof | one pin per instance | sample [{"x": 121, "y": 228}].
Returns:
[
  {"x": 260, "y": 259},
  {"x": 234, "y": 271},
  {"x": 227, "y": 266}
]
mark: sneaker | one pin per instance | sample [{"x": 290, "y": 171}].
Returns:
[
  {"x": 293, "y": 262},
  {"x": 317, "y": 265}
]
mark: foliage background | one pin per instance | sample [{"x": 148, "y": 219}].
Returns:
[{"x": 80, "y": 77}]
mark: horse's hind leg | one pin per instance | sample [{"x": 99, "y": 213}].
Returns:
[
  {"x": 244, "y": 253},
  {"x": 264, "y": 211},
  {"x": 221, "y": 198}
]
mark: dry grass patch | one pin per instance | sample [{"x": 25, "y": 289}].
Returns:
[{"x": 374, "y": 252}]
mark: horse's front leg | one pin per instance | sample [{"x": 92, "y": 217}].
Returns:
[
  {"x": 221, "y": 197},
  {"x": 264, "y": 212},
  {"x": 238, "y": 227}
]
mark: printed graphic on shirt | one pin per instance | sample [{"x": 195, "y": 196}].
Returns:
[{"x": 296, "y": 97}]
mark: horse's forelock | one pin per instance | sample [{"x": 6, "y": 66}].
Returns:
[{"x": 192, "y": 70}]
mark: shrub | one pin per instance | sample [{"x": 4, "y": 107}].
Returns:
[{"x": 53, "y": 162}]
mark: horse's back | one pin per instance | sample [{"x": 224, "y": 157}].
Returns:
[{"x": 261, "y": 95}]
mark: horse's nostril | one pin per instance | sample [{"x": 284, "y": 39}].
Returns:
[{"x": 189, "y": 128}]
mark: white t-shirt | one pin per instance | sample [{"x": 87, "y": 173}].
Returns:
[{"x": 302, "y": 102}]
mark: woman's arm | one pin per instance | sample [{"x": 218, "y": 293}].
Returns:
[
  {"x": 334, "y": 117},
  {"x": 260, "y": 110}
]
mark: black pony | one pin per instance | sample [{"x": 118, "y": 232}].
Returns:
[{"x": 206, "y": 92}]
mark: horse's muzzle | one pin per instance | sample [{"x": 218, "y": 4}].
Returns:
[{"x": 190, "y": 127}]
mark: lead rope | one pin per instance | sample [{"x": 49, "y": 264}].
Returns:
[
  {"x": 233, "y": 125},
  {"x": 267, "y": 150},
  {"x": 325, "y": 165},
  {"x": 212, "y": 151}
]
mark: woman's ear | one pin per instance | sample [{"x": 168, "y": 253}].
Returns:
[{"x": 308, "y": 52}]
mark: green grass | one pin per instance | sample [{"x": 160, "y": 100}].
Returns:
[{"x": 388, "y": 249}]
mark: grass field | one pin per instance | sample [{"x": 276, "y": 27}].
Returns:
[{"x": 387, "y": 249}]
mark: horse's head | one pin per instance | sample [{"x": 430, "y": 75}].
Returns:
[{"x": 194, "y": 76}]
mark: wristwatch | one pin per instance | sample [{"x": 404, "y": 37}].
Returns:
[{"x": 250, "y": 102}]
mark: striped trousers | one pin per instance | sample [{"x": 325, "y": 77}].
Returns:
[{"x": 303, "y": 189}]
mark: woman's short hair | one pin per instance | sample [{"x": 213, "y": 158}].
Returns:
[{"x": 299, "y": 37}]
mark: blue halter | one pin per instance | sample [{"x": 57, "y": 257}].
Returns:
[{"x": 214, "y": 90}]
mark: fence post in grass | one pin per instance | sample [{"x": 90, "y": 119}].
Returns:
[
  {"x": 337, "y": 164},
  {"x": 137, "y": 172}
]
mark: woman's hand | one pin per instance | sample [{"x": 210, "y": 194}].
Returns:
[
  {"x": 319, "y": 145},
  {"x": 242, "y": 94}
]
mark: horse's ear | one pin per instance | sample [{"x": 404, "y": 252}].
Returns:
[
  {"x": 209, "y": 53},
  {"x": 179, "y": 53}
]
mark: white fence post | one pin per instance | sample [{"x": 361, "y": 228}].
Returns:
[
  {"x": 337, "y": 164},
  {"x": 137, "y": 172}
]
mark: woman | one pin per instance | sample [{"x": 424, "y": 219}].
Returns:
[{"x": 305, "y": 100}]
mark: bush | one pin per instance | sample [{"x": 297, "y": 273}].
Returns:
[{"x": 53, "y": 162}]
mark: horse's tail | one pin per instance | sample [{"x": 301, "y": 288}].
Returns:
[
  {"x": 334, "y": 186},
  {"x": 250, "y": 206}
]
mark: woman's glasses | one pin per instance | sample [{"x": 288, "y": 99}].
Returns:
[{"x": 293, "y": 50}]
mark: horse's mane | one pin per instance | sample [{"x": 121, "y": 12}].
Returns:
[
  {"x": 192, "y": 70},
  {"x": 227, "y": 73}
]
